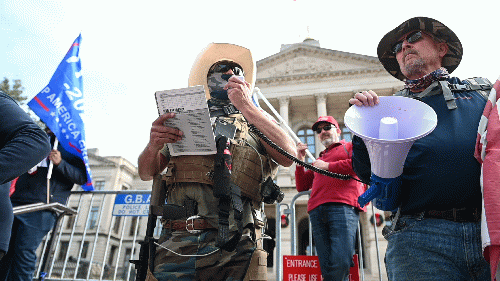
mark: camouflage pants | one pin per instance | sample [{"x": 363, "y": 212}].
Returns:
[{"x": 221, "y": 265}]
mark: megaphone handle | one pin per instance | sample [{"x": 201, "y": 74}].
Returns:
[{"x": 370, "y": 194}]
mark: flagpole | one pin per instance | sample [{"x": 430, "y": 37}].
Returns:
[{"x": 49, "y": 172}]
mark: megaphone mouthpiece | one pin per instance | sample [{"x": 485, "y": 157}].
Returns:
[{"x": 388, "y": 129}]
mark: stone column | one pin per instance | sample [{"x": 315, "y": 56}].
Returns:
[
  {"x": 284, "y": 178},
  {"x": 321, "y": 108},
  {"x": 321, "y": 104},
  {"x": 284, "y": 102}
]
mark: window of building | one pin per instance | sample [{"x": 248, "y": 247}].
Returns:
[
  {"x": 306, "y": 135},
  {"x": 99, "y": 185},
  {"x": 94, "y": 213},
  {"x": 85, "y": 249},
  {"x": 128, "y": 257},
  {"x": 63, "y": 250},
  {"x": 133, "y": 225},
  {"x": 116, "y": 226},
  {"x": 112, "y": 253},
  {"x": 346, "y": 134},
  {"x": 70, "y": 222}
]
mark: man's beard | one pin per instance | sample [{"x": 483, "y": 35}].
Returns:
[
  {"x": 417, "y": 67},
  {"x": 327, "y": 142}
]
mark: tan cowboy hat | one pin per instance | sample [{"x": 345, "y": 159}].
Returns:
[
  {"x": 388, "y": 59},
  {"x": 216, "y": 52}
]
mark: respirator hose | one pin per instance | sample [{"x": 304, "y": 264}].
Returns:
[{"x": 256, "y": 131}]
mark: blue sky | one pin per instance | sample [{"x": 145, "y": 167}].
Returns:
[{"x": 131, "y": 49}]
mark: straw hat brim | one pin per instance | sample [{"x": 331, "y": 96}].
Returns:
[{"x": 216, "y": 52}]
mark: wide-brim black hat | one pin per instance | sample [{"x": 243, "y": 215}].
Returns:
[{"x": 388, "y": 59}]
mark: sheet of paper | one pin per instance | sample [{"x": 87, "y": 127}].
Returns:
[{"x": 191, "y": 117}]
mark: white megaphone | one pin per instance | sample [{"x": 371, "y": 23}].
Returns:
[{"x": 388, "y": 130}]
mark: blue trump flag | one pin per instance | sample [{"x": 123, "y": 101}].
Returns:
[{"x": 60, "y": 106}]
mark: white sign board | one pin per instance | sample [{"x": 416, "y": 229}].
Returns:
[{"x": 131, "y": 205}]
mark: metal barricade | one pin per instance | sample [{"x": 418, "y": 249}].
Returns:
[
  {"x": 291, "y": 211},
  {"x": 93, "y": 244}
]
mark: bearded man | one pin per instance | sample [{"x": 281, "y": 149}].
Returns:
[{"x": 333, "y": 206}]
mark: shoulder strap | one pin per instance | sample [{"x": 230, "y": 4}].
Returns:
[
  {"x": 478, "y": 84},
  {"x": 433, "y": 89},
  {"x": 448, "y": 96}
]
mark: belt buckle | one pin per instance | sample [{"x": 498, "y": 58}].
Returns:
[{"x": 190, "y": 225}]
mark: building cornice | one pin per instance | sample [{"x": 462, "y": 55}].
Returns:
[{"x": 306, "y": 77}]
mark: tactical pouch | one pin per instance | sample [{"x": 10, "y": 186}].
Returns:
[
  {"x": 257, "y": 270},
  {"x": 271, "y": 192},
  {"x": 247, "y": 171},
  {"x": 169, "y": 176},
  {"x": 222, "y": 168},
  {"x": 191, "y": 168},
  {"x": 176, "y": 212}
]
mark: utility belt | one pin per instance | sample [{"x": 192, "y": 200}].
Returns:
[
  {"x": 455, "y": 214},
  {"x": 182, "y": 218},
  {"x": 191, "y": 225}
]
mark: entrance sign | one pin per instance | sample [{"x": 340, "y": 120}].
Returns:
[
  {"x": 306, "y": 268},
  {"x": 354, "y": 271},
  {"x": 301, "y": 268},
  {"x": 131, "y": 205}
]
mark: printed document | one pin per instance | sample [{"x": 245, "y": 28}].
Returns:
[{"x": 191, "y": 117}]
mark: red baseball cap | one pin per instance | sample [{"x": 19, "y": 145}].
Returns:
[{"x": 326, "y": 119}]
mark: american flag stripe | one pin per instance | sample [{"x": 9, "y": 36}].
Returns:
[{"x": 488, "y": 154}]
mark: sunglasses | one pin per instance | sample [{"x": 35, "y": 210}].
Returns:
[
  {"x": 224, "y": 67},
  {"x": 325, "y": 128},
  {"x": 410, "y": 38}
]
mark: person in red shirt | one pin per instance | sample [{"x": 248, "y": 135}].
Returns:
[{"x": 333, "y": 205}]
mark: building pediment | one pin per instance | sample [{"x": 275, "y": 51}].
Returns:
[{"x": 304, "y": 60}]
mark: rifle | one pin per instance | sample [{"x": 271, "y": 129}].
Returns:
[{"x": 147, "y": 251}]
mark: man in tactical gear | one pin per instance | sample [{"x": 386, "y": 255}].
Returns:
[
  {"x": 436, "y": 232},
  {"x": 213, "y": 221}
]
